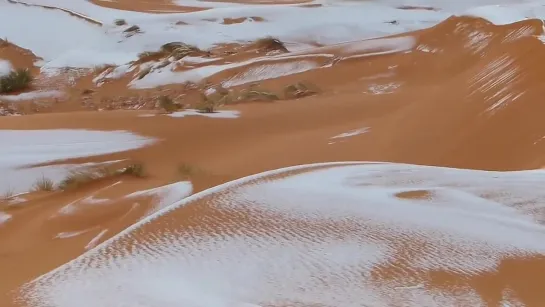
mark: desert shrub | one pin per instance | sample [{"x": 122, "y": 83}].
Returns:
[
  {"x": 270, "y": 43},
  {"x": 167, "y": 104},
  {"x": 15, "y": 81},
  {"x": 130, "y": 29},
  {"x": 75, "y": 179},
  {"x": 7, "y": 194},
  {"x": 78, "y": 178},
  {"x": 207, "y": 107},
  {"x": 135, "y": 169},
  {"x": 258, "y": 95},
  {"x": 299, "y": 90},
  {"x": 120, "y": 22},
  {"x": 209, "y": 103},
  {"x": 44, "y": 184}
]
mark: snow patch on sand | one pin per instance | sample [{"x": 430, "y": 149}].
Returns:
[
  {"x": 4, "y": 217},
  {"x": 32, "y": 95},
  {"x": 312, "y": 237},
  {"x": 70, "y": 234},
  {"x": 217, "y": 114},
  {"x": 96, "y": 239},
  {"x": 5, "y": 67},
  {"x": 351, "y": 133},
  {"x": 165, "y": 195},
  {"x": 24, "y": 148},
  {"x": 270, "y": 71}
]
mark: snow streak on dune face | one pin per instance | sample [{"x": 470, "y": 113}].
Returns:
[{"x": 338, "y": 234}]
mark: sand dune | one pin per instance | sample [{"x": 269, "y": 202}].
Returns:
[
  {"x": 333, "y": 234},
  {"x": 446, "y": 96}
]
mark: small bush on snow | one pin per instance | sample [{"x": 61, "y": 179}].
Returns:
[{"x": 120, "y": 22}]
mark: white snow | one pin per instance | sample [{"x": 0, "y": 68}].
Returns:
[
  {"x": 309, "y": 235},
  {"x": 70, "y": 234},
  {"x": 270, "y": 71},
  {"x": 64, "y": 40},
  {"x": 4, "y": 217},
  {"x": 229, "y": 114},
  {"x": 5, "y": 67},
  {"x": 32, "y": 95},
  {"x": 96, "y": 239},
  {"x": 75, "y": 42},
  {"x": 351, "y": 133},
  {"x": 24, "y": 148},
  {"x": 166, "y": 75},
  {"x": 114, "y": 73},
  {"x": 166, "y": 195},
  {"x": 216, "y": 114}
]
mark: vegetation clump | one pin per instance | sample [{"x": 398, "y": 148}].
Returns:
[
  {"x": 120, "y": 22},
  {"x": 270, "y": 43},
  {"x": 134, "y": 28},
  {"x": 135, "y": 169},
  {"x": 167, "y": 104},
  {"x": 258, "y": 95},
  {"x": 177, "y": 50},
  {"x": 299, "y": 90},
  {"x": 210, "y": 102},
  {"x": 78, "y": 178},
  {"x": 17, "y": 80},
  {"x": 44, "y": 184}
]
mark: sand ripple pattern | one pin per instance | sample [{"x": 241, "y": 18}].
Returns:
[{"x": 337, "y": 234}]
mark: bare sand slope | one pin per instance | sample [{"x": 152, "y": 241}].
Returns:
[{"x": 464, "y": 94}]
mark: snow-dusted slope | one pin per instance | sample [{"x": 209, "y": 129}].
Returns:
[
  {"x": 64, "y": 39},
  {"x": 338, "y": 234}
]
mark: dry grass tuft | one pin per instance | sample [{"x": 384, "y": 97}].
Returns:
[
  {"x": 132, "y": 29},
  {"x": 258, "y": 95},
  {"x": 299, "y": 90},
  {"x": 76, "y": 179},
  {"x": 135, "y": 169},
  {"x": 7, "y": 194},
  {"x": 43, "y": 184},
  {"x": 209, "y": 103},
  {"x": 167, "y": 104},
  {"x": 16, "y": 81},
  {"x": 120, "y": 22},
  {"x": 177, "y": 50}
]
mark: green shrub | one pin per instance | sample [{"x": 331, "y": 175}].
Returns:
[{"x": 15, "y": 81}]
